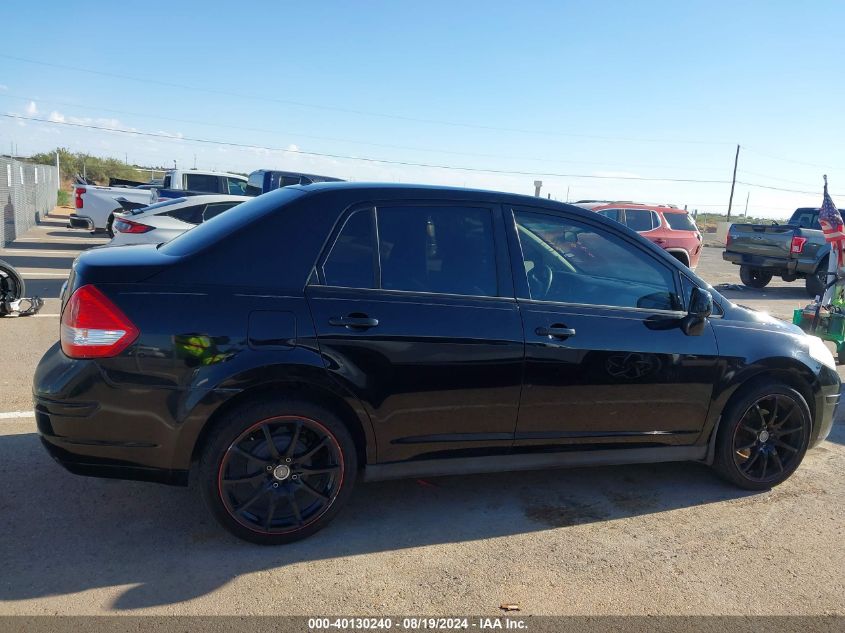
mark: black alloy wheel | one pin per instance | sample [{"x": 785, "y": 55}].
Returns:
[
  {"x": 280, "y": 478},
  {"x": 765, "y": 437}
]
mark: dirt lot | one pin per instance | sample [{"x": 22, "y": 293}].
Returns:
[{"x": 654, "y": 539}]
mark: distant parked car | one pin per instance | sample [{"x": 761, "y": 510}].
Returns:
[
  {"x": 795, "y": 250},
  {"x": 264, "y": 180},
  {"x": 669, "y": 227},
  {"x": 96, "y": 206},
  {"x": 163, "y": 221}
]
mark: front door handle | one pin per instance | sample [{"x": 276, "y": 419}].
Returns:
[
  {"x": 354, "y": 322},
  {"x": 556, "y": 331}
]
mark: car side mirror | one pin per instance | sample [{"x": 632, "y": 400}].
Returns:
[{"x": 700, "y": 307}]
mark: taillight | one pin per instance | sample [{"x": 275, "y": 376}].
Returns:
[
  {"x": 728, "y": 240},
  {"x": 78, "y": 199},
  {"x": 797, "y": 244},
  {"x": 94, "y": 327},
  {"x": 128, "y": 226}
]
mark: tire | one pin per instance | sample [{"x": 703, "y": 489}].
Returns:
[
  {"x": 816, "y": 282},
  {"x": 840, "y": 357},
  {"x": 759, "y": 445},
  {"x": 110, "y": 227},
  {"x": 754, "y": 277},
  {"x": 12, "y": 285},
  {"x": 277, "y": 502}
]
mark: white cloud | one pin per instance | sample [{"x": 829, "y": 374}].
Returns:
[{"x": 31, "y": 108}]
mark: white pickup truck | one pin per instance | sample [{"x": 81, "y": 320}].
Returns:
[{"x": 96, "y": 206}]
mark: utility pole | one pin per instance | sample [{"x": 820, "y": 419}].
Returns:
[
  {"x": 58, "y": 170},
  {"x": 747, "y": 196},
  {"x": 567, "y": 194},
  {"x": 537, "y": 185},
  {"x": 733, "y": 183}
]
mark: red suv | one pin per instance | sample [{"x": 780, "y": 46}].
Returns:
[{"x": 669, "y": 227}]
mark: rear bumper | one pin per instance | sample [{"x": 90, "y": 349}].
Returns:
[
  {"x": 91, "y": 430},
  {"x": 779, "y": 265},
  {"x": 80, "y": 222}
]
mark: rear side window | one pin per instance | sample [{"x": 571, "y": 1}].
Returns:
[
  {"x": 191, "y": 215},
  {"x": 213, "y": 210},
  {"x": 166, "y": 183},
  {"x": 613, "y": 214},
  {"x": 680, "y": 222},
  {"x": 351, "y": 262},
  {"x": 202, "y": 182},
  {"x": 640, "y": 219},
  {"x": 437, "y": 249},
  {"x": 287, "y": 181}
]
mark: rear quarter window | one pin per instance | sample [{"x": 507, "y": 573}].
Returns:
[{"x": 680, "y": 222}]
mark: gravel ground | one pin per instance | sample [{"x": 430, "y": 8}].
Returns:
[{"x": 648, "y": 539}]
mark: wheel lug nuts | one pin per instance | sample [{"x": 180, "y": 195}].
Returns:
[
  {"x": 275, "y": 485},
  {"x": 287, "y": 460},
  {"x": 295, "y": 477},
  {"x": 269, "y": 468}
]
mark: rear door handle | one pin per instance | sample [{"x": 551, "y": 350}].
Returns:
[
  {"x": 354, "y": 322},
  {"x": 556, "y": 331}
]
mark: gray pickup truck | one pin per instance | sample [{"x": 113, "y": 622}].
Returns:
[{"x": 795, "y": 250}]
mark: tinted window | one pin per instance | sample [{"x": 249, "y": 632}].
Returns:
[
  {"x": 806, "y": 219},
  {"x": 201, "y": 182},
  {"x": 286, "y": 181},
  {"x": 166, "y": 183},
  {"x": 235, "y": 187},
  {"x": 680, "y": 222},
  {"x": 613, "y": 214},
  {"x": 571, "y": 262},
  {"x": 437, "y": 249},
  {"x": 191, "y": 215},
  {"x": 213, "y": 210},
  {"x": 351, "y": 263},
  {"x": 639, "y": 219}
]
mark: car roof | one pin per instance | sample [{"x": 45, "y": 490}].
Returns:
[
  {"x": 374, "y": 190},
  {"x": 208, "y": 173},
  {"x": 663, "y": 208}
]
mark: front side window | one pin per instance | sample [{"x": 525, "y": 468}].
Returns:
[
  {"x": 613, "y": 214},
  {"x": 639, "y": 219},
  {"x": 437, "y": 249},
  {"x": 351, "y": 262},
  {"x": 235, "y": 186},
  {"x": 572, "y": 262}
]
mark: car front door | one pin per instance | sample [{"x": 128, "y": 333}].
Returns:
[
  {"x": 415, "y": 315},
  {"x": 607, "y": 360}
]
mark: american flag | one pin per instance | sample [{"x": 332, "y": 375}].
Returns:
[{"x": 832, "y": 225}]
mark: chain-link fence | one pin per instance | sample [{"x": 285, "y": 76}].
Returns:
[{"x": 27, "y": 192}]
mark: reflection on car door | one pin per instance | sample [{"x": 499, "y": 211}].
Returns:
[
  {"x": 606, "y": 360},
  {"x": 423, "y": 330}
]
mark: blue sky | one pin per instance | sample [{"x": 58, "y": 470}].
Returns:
[{"x": 618, "y": 89}]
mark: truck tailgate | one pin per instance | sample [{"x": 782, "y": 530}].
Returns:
[{"x": 767, "y": 241}]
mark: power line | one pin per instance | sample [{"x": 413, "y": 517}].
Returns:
[
  {"x": 796, "y": 162},
  {"x": 334, "y": 108},
  {"x": 342, "y": 140},
  {"x": 358, "y": 158}
]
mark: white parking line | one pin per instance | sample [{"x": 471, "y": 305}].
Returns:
[
  {"x": 12, "y": 415},
  {"x": 26, "y": 251},
  {"x": 25, "y": 274}
]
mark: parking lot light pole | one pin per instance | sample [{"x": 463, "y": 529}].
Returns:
[
  {"x": 733, "y": 183},
  {"x": 537, "y": 186}
]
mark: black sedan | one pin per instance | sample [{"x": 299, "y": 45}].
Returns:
[{"x": 335, "y": 331}]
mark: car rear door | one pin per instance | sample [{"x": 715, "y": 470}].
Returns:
[
  {"x": 606, "y": 359},
  {"x": 414, "y": 311}
]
